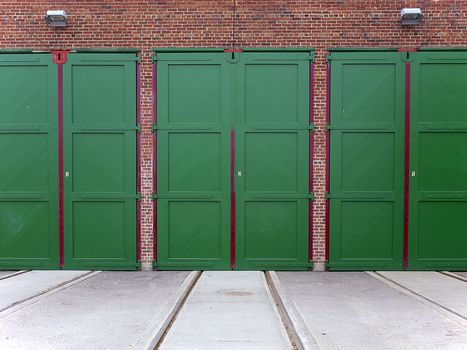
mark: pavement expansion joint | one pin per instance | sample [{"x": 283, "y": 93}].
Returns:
[
  {"x": 288, "y": 325},
  {"x": 13, "y": 274},
  {"x": 20, "y": 304},
  {"x": 437, "y": 306},
  {"x": 454, "y": 275},
  {"x": 179, "y": 307}
]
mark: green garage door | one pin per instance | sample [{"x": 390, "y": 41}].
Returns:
[
  {"x": 213, "y": 105},
  {"x": 100, "y": 161},
  {"x": 28, "y": 165},
  {"x": 271, "y": 126},
  {"x": 366, "y": 160},
  {"x": 438, "y": 178}
]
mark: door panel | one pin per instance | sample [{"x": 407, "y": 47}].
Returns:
[
  {"x": 366, "y": 169},
  {"x": 271, "y": 172},
  {"x": 438, "y": 191},
  {"x": 193, "y": 141},
  {"x": 28, "y": 166},
  {"x": 100, "y": 159}
]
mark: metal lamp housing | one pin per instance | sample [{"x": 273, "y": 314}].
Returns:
[
  {"x": 56, "y": 18},
  {"x": 411, "y": 16}
]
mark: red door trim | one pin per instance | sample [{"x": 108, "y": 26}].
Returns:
[
  {"x": 59, "y": 58},
  {"x": 406, "y": 166},
  {"x": 233, "y": 213}
]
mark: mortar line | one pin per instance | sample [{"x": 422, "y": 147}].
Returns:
[{"x": 179, "y": 308}]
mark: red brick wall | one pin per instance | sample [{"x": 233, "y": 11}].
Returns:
[{"x": 160, "y": 23}]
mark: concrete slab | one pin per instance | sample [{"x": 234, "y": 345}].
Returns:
[
  {"x": 228, "y": 310},
  {"x": 443, "y": 290},
  {"x": 462, "y": 274},
  {"x": 353, "y": 310},
  {"x": 6, "y": 273},
  {"x": 24, "y": 286},
  {"x": 110, "y": 310}
]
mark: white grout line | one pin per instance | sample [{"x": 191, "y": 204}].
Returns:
[
  {"x": 454, "y": 275},
  {"x": 38, "y": 297},
  {"x": 13, "y": 274},
  {"x": 159, "y": 327},
  {"x": 290, "y": 316},
  {"x": 451, "y": 314}
]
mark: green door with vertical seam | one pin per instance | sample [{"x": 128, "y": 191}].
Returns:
[
  {"x": 272, "y": 160},
  {"x": 100, "y": 161},
  {"x": 438, "y": 159},
  {"x": 203, "y": 96},
  {"x": 366, "y": 161},
  {"x": 28, "y": 162}
]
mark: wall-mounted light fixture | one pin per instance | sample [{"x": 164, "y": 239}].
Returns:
[
  {"x": 411, "y": 16},
  {"x": 56, "y": 18}
]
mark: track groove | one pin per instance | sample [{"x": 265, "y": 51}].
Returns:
[{"x": 179, "y": 308}]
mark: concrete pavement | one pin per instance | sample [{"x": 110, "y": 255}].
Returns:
[
  {"x": 8, "y": 274},
  {"x": 16, "y": 289},
  {"x": 111, "y": 310},
  {"x": 353, "y": 310},
  {"x": 462, "y": 274},
  {"x": 5, "y": 273},
  {"x": 228, "y": 310},
  {"x": 233, "y": 310},
  {"x": 443, "y": 290}
]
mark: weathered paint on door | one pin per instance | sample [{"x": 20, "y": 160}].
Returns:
[
  {"x": 367, "y": 160},
  {"x": 271, "y": 173},
  {"x": 438, "y": 159},
  {"x": 28, "y": 166},
  {"x": 262, "y": 97},
  {"x": 100, "y": 161}
]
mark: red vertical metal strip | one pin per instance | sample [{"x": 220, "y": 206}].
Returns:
[
  {"x": 328, "y": 144},
  {"x": 312, "y": 141},
  {"x": 61, "y": 223},
  {"x": 59, "y": 58},
  {"x": 154, "y": 161},
  {"x": 233, "y": 213},
  {"x": 406, "y": 166},
  {"x": 138, "y": 159}
]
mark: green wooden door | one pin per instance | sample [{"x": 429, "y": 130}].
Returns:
[
  {"x": 438, "y": 159},
  {"x": 366, "y": 161},
  {"x": 100, "y": 161},
  {"x": 28, "y": 165},
  {"x": 202, "y": 98},
  {"x": 271, "y": 170},
  {"x": 194, "y": 108}
]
